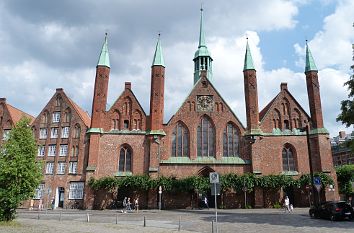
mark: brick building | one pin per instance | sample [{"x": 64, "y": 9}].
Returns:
[
  {"x": 204, "y": 135},
  {"x": 60, "y": 132},
  {"x": 9, "y": 116},
  {"x": 341, "y": 153}
]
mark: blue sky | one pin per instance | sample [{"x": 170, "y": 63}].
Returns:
[
  {"x": 277, "y": 46},
  {"x": 46, "y": 45}
]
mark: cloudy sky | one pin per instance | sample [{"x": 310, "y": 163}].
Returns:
[{"x": 45, "y": 45}]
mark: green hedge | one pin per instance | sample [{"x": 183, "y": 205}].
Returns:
[{"x": 193, "y": 183}]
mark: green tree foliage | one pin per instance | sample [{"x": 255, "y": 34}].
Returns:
[
  {"x": 347, "y": 106},
  {"x": 20, "y": 174},
  {"x": 193, "y": 183},
  {"x": 345, "y": 177}
]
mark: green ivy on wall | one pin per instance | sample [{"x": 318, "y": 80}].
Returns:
[{"x": 201, "y": 184}]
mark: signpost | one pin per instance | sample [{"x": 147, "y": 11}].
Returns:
[
  {"x": 214, "y": 179},
  {"x": 160, "y": 193},
  {"x": 317, "y": 183}
]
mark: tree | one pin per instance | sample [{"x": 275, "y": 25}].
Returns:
[
  {"x": 20, "y": 173},
  {"x": 347, "y": 106},
  {"x": 345, "y": 177}
]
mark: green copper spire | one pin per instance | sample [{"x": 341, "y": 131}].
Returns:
[
  {"x": 158, "y": 57},
  {"x": 248, "y": 65},
  {"x": 310, "y": 63},
  {"x": 202, "y": 48},
  {"x": 202, "y": 59},
  {"x": 104, "y": 56}
]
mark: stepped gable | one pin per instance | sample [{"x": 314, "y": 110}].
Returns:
[{"x": 283, "y": 112}]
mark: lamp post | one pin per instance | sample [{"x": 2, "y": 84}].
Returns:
[{"x": 307, "y": 130}]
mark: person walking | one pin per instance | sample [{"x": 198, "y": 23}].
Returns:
[
  {"x": 287, "y": 204},
  {"x": 129, "y": 208},
  {"x": 206, "y": 202},
  {"x": 136, "y": 204},
  {"x": 124, "y": 210}
]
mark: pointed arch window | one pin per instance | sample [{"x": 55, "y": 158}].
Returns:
[
  {"x": 231, "y": 141},
  {"x": 205, "y": 138},
  {"x": 180, "y": 141},
  {"x": 288, "y": 159},
  {"x": 125, "y": 159}
]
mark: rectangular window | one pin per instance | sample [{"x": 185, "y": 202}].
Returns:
[
  {"x": 73, "y": 167},
  {"x": 41, "y": 150},
  {"x": 76, "y": 190},
  {"x": 63, "y": 150},
  {"x": 54, "y": 133},
  {"x": 6, "y": 134},
  {"x": 49, "y": 168},
  {"x": 61, "y": 168},
  {"x": 56, "y": 117},
  {"x": 52, "y": 150},
  {"x": 65, "y": 132},
  {"x": 43, "y": 133},
  {"x": 39, "y": 193}
]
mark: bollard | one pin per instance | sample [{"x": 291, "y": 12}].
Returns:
[
  {"x": 88, "y": 217},
  {"x": 144, "y": 221},
  {"x": 38, "y": 216},
  {"x": 179, "y": 224},
  {"x": 60, "y": 216},
  {"x": 212, "y": 226},
  {"x": 116, "y": 218}
]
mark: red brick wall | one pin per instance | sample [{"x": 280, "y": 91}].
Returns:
[{"x": 251, "y": 99}]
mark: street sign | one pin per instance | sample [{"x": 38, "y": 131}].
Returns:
[
  {"x": 215, "y": 189},
  {"x": 317, "y": 183},
  {"x": 214, "y": 177},
  {"x": 317, "y": 180}
]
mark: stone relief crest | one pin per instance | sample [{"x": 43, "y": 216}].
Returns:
[{"x": 205, "y": 103}]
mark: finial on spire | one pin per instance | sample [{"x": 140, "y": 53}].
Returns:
[
  {"x": 248, "y": 64},
  {"x": 310, "y": 62},
  {"x": 158, "y": 57},
  {"x": 104, "y": 56}
]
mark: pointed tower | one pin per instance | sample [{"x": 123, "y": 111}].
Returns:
[
  {"x": 313, "y": 90},
  {"x": 157, "y": 89},
  {"x": 202, "y": 59},
  {"x": 101, "y": 87},
  {"x": 251, "y": 94},
  {"x": 98, "y": 108},
  {"x": 156, "y": 110}
]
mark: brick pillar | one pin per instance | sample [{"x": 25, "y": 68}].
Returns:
[
  {"x": 157, "y": 97},
  {"x": 313, "y": 91},
  {"x": 251, "y": 98}
]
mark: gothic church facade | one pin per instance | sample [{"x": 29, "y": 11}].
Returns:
[{"x": 204, "y": 135}]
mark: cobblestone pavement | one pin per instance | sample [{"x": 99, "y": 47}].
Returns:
[{"x": 237, "y": 220}]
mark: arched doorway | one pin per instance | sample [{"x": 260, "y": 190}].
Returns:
[{"x": 204, "y": 172}]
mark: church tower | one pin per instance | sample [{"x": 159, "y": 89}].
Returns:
[
  {"x": 101, "y": 87},
  {"x": 157, "y": 89},
  {"x": 98, "y": 106},
  {"x": 156, "y": 110},
  {"x": 251, "y": 93},
  {"x": 202, "y": 59},
  {"x": 313, "y": 90}
]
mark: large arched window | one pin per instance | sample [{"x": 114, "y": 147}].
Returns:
[
  {"x": 125, "y": 159},
  {"x": 180, "y": 141},
  {"x": 231, "y": 141},
  {"x": 288, "y": 159},
  {"x": 205, "y": 138}
]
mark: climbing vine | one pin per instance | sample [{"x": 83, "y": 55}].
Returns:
[{"x": 201, "y": 184}]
